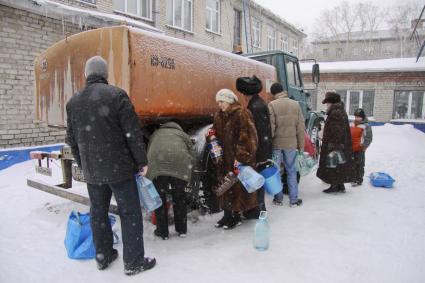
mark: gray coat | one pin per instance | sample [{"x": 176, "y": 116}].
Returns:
[
  {"x": 171, "y": 153},
  {"x": 104, "y": 133}
]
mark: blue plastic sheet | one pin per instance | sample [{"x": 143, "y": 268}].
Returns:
[{"x": 11, "y": 157}]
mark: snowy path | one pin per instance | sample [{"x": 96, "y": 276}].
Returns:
[{"x": 367, "y": 235}]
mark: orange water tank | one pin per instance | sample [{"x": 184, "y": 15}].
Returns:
[{"x": 164, "y": 76}]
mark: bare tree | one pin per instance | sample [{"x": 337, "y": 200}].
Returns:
[{"x": 370, "y": 20}]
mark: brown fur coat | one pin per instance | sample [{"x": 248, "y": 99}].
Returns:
[{"x": 235, "y": 129}]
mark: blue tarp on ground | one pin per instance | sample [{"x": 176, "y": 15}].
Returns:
[{"x": 11, "y": 157}]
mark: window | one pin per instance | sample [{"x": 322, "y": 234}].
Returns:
[
  {"x": 284, "y": 42},
  {"x": 326, "y": 52},
  {"x": 213, "y": 16},
  {"x": 256, "y": 30},
  {"x": 89, "y": 1},
  {"x": 356, "y": 52},
  {"x": 354, "y": 99},
  {"x": 139, "y": 8},
  {"x": 294, "y": 46},
  {"x": 292, "y": 72},
  {"x": 271, "y": 39},
  {"x": 179, "y": 14},
  {"x": 409, "y": 105},
  {"x": 339, "y": 52},
  {"x": 386, "y": 50},
  {"x": 237, "y": 28}
]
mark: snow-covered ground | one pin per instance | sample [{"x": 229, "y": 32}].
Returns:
[{"x": 366, "y": 235}]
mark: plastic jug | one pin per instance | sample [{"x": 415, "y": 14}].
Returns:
[
  {"x": 250, "y": 179},
  {"x": 262, "y": 232},
  {"x": 149, "y": 197}
]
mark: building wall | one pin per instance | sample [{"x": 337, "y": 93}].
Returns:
[
  {"x": 367, "y": 50},
  {"x": 23, "y": 36},
  {"x": 383, "y": 84}
]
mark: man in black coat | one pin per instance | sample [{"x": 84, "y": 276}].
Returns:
[
  {"x": 251, "y": 87},
  {"x": 107, "y": 143}
]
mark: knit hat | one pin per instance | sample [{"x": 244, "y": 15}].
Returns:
[
  {"x": 248, "y": 85},
  {"x": 331, "y": 97},
  {"x": 360, "y": 113},
  {"x": 226, "y": 95},
  {"x": 96, "y": 66},
  {"x": 276, "y": 88}
]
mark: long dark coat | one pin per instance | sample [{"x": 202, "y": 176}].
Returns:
[
  {"x": 336, "y": 136},
  {"x": 260, "y": 113},
  {"x": 104, "y": 133},
  {"x": 236, "y": 131}
]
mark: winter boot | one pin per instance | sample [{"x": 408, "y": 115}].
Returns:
[
  {"x": 158, "y": 234},
  {"x": 333, "y": 189},
  {"x": 252, "y": 213},
  {"x": 103, "y": 261},
  {"x": 148, "y": 263},
  {"x": 298, "y": 202},
  {"x": 277, "y": 202},
  {"x": 226, "y": 217},
  {"x": 234, "y": 221}
]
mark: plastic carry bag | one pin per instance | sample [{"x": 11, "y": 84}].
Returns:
[
  {"x": 305, "y": 163},
  {"x": 149, "y": 197},
  {"x": 380, "y": 179},
  {"x": 79, "y": 237}
]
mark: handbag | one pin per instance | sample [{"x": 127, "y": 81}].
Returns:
[{"x": 79, "y": 237}]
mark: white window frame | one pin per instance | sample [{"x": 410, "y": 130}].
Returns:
[
  {"x": 294, "y": 46},
  {"x": 89, "y": 2},
  {"x": 173, "y": 24},
  {"x": 284, "y": 44},
  {"x": 347, "y": 101},
  {"x": 139, "y": 12},
  {"x": 409, "y": 104},
  {"x": 256, "y": 33},
  {"x": 213, "y": 12},
  {"x": 271, "y": 38}
]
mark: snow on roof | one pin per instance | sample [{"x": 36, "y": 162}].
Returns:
[
  {"x": 46, "y": 7},
  {"x": 383, "y": 65}
]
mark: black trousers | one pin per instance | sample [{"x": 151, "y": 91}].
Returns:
[
  {"x": 359, "y": 163},
  {"x": 174, "y": 186},
  {"x": 127, "y": 198}
]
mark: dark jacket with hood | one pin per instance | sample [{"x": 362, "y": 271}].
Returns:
[
  {"x": 104, "y": 133},
  {"x": 260, "y": 113},
  {"x": 336, "y": 136}
]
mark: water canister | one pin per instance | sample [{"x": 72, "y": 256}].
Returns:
[
  {"x": 250, "y": 179},
  {"x": 262, "y": 232},
  {"x": 149, "y": 197},
  {"x": 214, "y": 147}
]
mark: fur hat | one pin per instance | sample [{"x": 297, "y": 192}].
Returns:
[
  {"x": 226, "y": 95},
  {"x": 331, "y": 97},
  {"x": 276, "y": 88},
  {"x": 96, "y": 66},
  {"x": 248, "y": 85}
]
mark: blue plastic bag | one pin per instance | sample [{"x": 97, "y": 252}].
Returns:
[
  {"x": 79, "y": 237},
  {"x": 380, "y": 179}
]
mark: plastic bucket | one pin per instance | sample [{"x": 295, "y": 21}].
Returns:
[{"x": 273, "y": 183}]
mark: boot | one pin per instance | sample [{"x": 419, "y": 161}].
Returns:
[
  {"x": 220, "y": 223},
  {"x": 333, "y": 189},
  {"x": 103, "y": 261},
  {"x": 148, "y": 263},
  {"x": 298, "y": 202},
  {"x": 234, "y": 221}
]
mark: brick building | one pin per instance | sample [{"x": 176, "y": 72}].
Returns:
[
  {"x": 388, "y": 89},
  {"x": 28, "y": 27}
]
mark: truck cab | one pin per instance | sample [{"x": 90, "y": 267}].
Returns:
[{"x": 289, "y": 75}]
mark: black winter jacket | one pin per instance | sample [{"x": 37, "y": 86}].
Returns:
[
  {"x": 260, "y": 113},
  {"x": 104, "y": 133}
]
